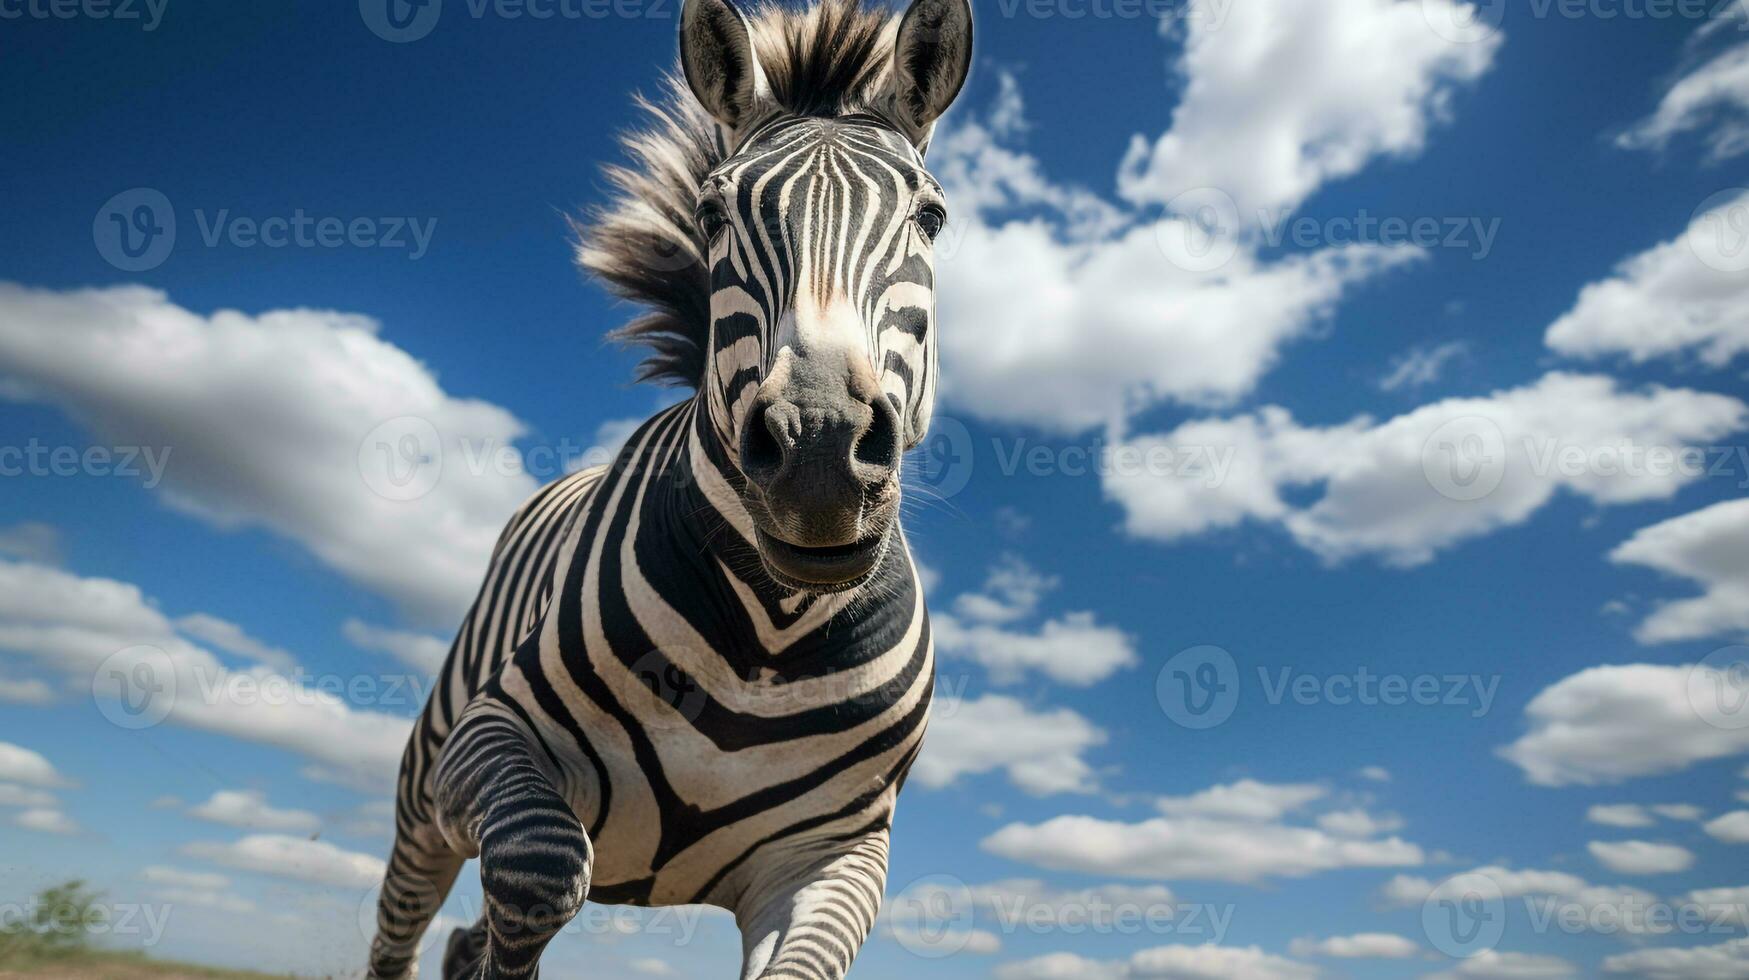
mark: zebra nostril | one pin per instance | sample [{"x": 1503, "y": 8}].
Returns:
[
  {"x": 765, "y": 442},
  {"x": 877, "y": 448}
]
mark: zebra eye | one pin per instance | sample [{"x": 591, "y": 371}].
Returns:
[
  {"x": 711, "y": 219},
  {"x": 930, "y": 218}
]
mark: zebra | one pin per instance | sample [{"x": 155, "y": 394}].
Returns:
[{"x": 700, "y": 674}]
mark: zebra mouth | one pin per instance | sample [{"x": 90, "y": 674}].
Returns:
[{"x": 828, "y": 569}]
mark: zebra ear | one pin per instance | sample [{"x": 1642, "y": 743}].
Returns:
[
  {"x": 716, "y": 53},
  {"x": 931, "y": 58}
]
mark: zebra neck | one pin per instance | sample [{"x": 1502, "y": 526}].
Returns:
[{"x": 694, "y": 539}]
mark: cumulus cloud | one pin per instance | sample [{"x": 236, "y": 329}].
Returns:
[
  {"x": 1732, "y": 828},
  {"x": 46, "y": 820},
  {"x": 25, "y": 691},
  {"x": 1074, "y": 648},
  {"x": 1246, "y": 799},
  {"x": 1715, "y": 95},
  {"x": 1117, "y": 314},
  {"x": 1638, "y": 857},
  {"x": 1405, "y": 488},
  {"x": 297, "y": 858},
  {"x": 1709, "y": 547},
  {"x": 1225, "y": 834},
  {"x": 1603, "y": 908},
  {"x": 248, "y": 808},
  {"x": 1365, "y": 945},
  {"x": 1283, "y": 97},
  {"x": 272, "y": 421},
  {"x": 1684, "y": 296},
  {"x": 1726, "y": 961},
  {"x": 75, "y": 625},
  {"x": 21, "y": 765},
  {"x": 31, "y": 541},
  {"x": 419, "y": 651},
  {"x": 1206, "y": 962},
  {"x": 1040, "y": 751},
  {"x": 1607, "y": 724},
  {"x": 1492, "y": 964},
  {"x": 23, "y": 796},
  {"x": 1633, "y": 815}
]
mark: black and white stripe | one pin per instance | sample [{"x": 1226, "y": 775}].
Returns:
[{"x": 639, "y": 709}]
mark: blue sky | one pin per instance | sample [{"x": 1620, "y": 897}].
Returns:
[{"x": 1407, "y": 341}]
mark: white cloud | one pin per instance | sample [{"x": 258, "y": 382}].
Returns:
[
  {"x": 1612, "y": 723},
  {"x": 1724, "y": 905},
  {"x": 1732, "y": 828},
  {"x": 1679, "y": 297},
  {"x": 419, "y": 651},
  {"x": 21, "y": 765},
  {"x": 652, "y": 968},
  {"x": 1197, "y": 848},
  {"x": 1283, "y": 97},
  {"x": 27, "y": 691},
  {"x": 1206, "y": 962},
  {"x": 23, "y": 796},
  {"x": 1638, "y": 857},
  {"x": 1619, "y": 815},
  {"x": 74, "y": 625},
  {"x": 159, "y": 874},
  {"x": 1494, "y": 965},
  {"x": 231, "y": 638},
  {"x": 1073, "y": 648},
  {"x": 47, "y": 820},
  {"x": 31, "y": 541},
  {"x": 1726, "y": 961},
  {"x": 249, "y": 809},
  {"x": 1715, "y": 94},
  {"x": 1678, "y": 811},
  {"x": 1709, "y": 547},
  {"x": 1619, "y": 909},
  {"x": 139, "y": 370},
  {"x": 1408, "y": 487},
  {"x": 318, "y": 862},
  {"x": 1377, "y": 774},
  {"x": 1365, "y": 945},
  {"x": 1040, "y": 751},
  {"x": 1358, "y": 823},
  {"x": 1246, "y": 799},
  {"x": 1115, "y": 317},
  {"x": 1422, "y": 366}
]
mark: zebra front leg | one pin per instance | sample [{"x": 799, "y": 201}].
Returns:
[
  {"x": 807, "y": 918},
  {"x": 496, "y": 799}
]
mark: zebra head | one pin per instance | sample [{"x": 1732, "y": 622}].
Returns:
[{"x": 820, "y": 367}]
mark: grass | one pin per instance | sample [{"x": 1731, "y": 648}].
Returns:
[{"x": 99, "y": 965}]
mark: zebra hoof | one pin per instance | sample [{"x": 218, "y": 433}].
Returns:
[{"x": 461, "y": 957}]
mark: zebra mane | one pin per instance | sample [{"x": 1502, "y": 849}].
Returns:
[{"x": 826, "y": 60}]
